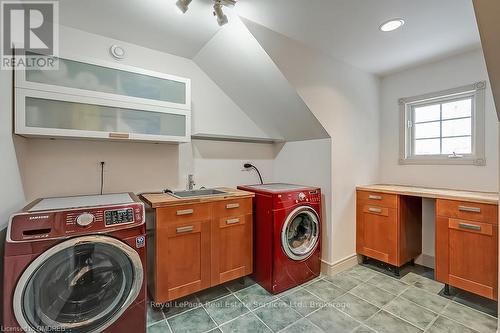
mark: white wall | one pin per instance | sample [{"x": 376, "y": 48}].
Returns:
[
  {"x": 11, "y": 190},
  {"x": 346, "y": 102},
  {"x": 452, "y": 72},
  {"x": 309, "y": 163},
  {"x": 69, "y": 167}
]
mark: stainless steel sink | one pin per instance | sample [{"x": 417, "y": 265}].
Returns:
[{"x": 197, "y": 193}]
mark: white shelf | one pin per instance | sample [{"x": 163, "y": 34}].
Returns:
[{"x": 233, "y": 138}]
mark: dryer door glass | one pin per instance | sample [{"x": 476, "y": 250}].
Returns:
[
  {"x": 80, "y": 288},
  {"x": 300, "y": 233}
]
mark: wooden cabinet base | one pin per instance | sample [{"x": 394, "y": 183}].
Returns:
[
  {"x": 388, "y": 227},
  {"x": 196, "y": 246},
  {"x": 467, "y": 247}
]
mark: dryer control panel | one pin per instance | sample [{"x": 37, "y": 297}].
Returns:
[{"x": 299, "y": 197}]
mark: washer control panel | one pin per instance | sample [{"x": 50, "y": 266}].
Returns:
[
  {"x": 120, "y": 216},
  {"x": 85, "y": 219}
]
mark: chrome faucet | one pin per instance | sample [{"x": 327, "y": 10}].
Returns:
[{"x": 191, "y": 182}]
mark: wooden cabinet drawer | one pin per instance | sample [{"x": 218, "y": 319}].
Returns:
[
  {"x": 233, "y": 207},
  {"x": 467, "y": 211},
  {"x": 467, "y": 255},
  {"x": 191, "y": 212},
  {"x": 378, "y": 199}
]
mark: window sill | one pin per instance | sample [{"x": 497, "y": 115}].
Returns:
[{"x": 442, "y": 161}]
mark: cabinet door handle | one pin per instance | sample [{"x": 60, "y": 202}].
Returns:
[
  {"x": 182, "y": 230},
  {"x": 232, "y": 221},
  {"x": 467, "y": 226},
  {"x": 375, "y": 197},
  {"x": 232, "y": 206},
  {"x": 469, "y": 209},
  {"x": 185, "y": 212},
  {"x": 375, "y": 210}
]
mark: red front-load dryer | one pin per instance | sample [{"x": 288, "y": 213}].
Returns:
[
  {"x": 76, "y": 264},
  {"x": 287, "y": 224}
]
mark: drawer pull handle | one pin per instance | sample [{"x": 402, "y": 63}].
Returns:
[
  {"x": 467, "y": 226},
  {"x": 232, "y": 206},
  {"x": 469, "y": 209},
  {"x": 182, "y": 230},
  {"x": 375, "y": 210},
  {"x": 375, "y": 197},
  {"x": 185, "y": 212},
  {"x": 233, "y": 221}
]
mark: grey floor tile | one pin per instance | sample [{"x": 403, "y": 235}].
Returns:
[
  {"x": 355, "y": 307},
  {"x": 332, "y": 320},
  {"x": 372, "y": 294},
  {"x": 363, "y": 329},
  {"x": 411, "y": 312},
  {"x": 393, "y": 286},
  {"x": 254, "y": 296},
  {"x": 160, "y": 327},
  {"x": 387, "y": 323},
  {"x": 423, "y": 282},
  {"x": 432, "y": 302},
  {"x": 277, "y": 315},
  {"x": 225, "y": 309},
  {"x": 239, "y": 284},
  {"x": 213, "y": 293},
  {"x": 155, "y": 314},
  {"x": 471, "y": 318},
  {"x": 302, "y": 326},
  {"x": 325, "y": 290},
  {"x": 303, "y": 301},
  {"x": 247, "y": 323},
  {"x": 343, "y": 280},
  {"x": 445, "y": 325},
  {"x": 179, "y": 306},
  {"x": 361, "y": 273},
  {"x": 193, "y": 321}
]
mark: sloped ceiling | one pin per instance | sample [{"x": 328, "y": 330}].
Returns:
[
  {"x": 237, "y": 63},
  {"x": 156, "y": 24},
  {"x": 487, "y": 12},
  {"x": 348, "y": 29}
]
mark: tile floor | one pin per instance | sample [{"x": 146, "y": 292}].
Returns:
[{"x": 357, "y": 300}]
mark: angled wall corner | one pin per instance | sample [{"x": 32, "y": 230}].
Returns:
[
  {"x": 242, "y": 69},
  {"x": 489, "y": 29},
  {"x": 345, "y": 100}
]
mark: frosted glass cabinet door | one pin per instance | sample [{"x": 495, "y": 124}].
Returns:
[
  {"x": 42, "y": 115},
  {"x": 95, "y": 78}
]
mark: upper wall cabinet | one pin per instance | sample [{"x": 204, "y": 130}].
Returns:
[{"x": 97, "y": 100}]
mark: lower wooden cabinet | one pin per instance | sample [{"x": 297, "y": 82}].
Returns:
[
  {"x": 467, "y": 246},
  {"x": 193, "y": 247},
  {"x": 388, "y": 227}
]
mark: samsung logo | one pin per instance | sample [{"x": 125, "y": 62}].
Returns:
[{"x": 41, "y": 217}]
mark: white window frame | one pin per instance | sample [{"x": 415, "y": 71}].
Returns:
[{"x": 477, "y": 92}]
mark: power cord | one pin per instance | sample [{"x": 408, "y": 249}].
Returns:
[
  {"x": 251, "y": 166},
  {"x": 102, "y": 176}
]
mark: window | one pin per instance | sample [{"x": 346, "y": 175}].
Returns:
[{"x": 444, "y": 128}]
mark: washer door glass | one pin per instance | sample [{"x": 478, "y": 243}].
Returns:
[
  {"x": 300, "y": 233},
  {"x": 80, "y": 288}
]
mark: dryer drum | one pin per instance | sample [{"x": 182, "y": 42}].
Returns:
[{"x": 300, "y": 233}]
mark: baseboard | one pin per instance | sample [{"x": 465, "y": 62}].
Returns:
[
  {"x": 338, "y": 266},
  {"x": 426, "y": 260}
]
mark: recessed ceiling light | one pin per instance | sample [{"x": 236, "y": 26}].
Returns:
[{"x": 392, "y": 25}]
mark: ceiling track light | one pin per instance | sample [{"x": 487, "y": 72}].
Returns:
[
  {"x": 219, "y": 13},
  {"x": 183, "y": 5}
]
